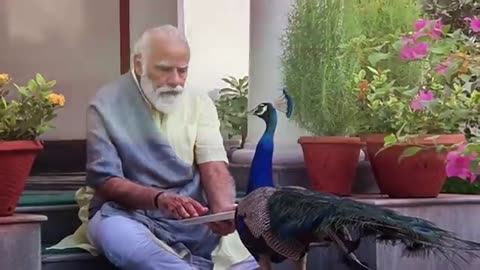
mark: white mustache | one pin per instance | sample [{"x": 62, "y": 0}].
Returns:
[{"x": 169, "y": 91}]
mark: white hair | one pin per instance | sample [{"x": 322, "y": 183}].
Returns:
[{"x": 142, "y": 45}]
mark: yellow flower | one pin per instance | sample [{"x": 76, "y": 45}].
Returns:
[
  {"x": 4, "y": 79},
  {"x": 56, "y": 99}
]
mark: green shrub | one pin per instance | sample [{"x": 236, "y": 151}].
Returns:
[{"x": 318, "y": 66}]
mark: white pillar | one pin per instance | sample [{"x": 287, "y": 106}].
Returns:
[{"x": 268, "y": 19}]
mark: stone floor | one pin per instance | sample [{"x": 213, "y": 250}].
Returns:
[{"x": 458, "y": 213}]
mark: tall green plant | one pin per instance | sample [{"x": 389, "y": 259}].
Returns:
[
  {"x": 318, "y": 65},
  {"x": 313, "y": 74}
]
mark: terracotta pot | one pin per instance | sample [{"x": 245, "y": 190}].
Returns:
[
  {"x": 331, "y": 162},
  {"x": 16, "y": 160},
  {"x": 419, "y": 176}
]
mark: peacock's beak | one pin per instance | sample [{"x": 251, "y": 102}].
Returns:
[{"x": 252, "y": 111}]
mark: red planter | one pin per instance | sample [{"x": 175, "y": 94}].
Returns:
[
  {"x": 331, "y": 162},
  {"x": 420, "y": 176},
  {"x": 16, "y": 160}
]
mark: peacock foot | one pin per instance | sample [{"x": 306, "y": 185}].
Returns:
[
  {"x": 264, "y": 262},
  {"x": 302, "y": 263}
]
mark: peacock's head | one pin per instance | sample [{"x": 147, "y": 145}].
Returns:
[
  {"x": 267, "y": 111},
  {"x": 263, "y": 110}
]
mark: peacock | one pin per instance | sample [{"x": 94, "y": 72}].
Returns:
[
  {"x": 261, "y": 174},
  {"x": 280, "y": 223}
]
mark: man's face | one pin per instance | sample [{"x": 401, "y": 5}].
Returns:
[{"x": 163, "y": 73}]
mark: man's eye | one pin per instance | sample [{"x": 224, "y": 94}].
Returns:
[
  {"x": 182, "y": 70},
  {"x": 164, "y": 68}
]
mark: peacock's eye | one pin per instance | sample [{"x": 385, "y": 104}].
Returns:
[{"x": 261, "y": 110}]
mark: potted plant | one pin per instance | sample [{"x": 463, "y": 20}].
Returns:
[
  {"x": 318, "y": 81},
  {"x": 23, "y": 118},
  {"x": 232, "y": 108},
  {"x": 426, "y": 120}
]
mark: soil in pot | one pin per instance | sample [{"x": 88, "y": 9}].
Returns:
[
  {"x": 420, "y": 176},
  {"x": 16, "y": 160},
  {"x": 331, "y": 162}
]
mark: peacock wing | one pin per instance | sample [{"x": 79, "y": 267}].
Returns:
[
  {"x": 254, "y": 209},
  {"x": 297, "y": 213}
]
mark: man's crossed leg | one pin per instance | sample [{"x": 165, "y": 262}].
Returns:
[{"x": 129, "y": 245}]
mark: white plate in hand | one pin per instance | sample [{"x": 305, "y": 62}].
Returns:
[{"x": 230, "y": 215}]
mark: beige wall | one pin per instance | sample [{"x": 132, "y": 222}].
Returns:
[
  {"x": 75, "y": 42},
  {"x": 218, "y": 32},
  {"x": 149, "y": 13}
]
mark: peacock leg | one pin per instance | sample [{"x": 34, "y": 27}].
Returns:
[
  {"x": 302, "y": 263},
  {"x": 342, "y": 246},
  {"x": 264, "y": 262}
]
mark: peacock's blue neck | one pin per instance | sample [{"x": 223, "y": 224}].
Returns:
[{"x": 261, "y": 174}]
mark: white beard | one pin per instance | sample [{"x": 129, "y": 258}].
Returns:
[{"x": 164, "y": 99}]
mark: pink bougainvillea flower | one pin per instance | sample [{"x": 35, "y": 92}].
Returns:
[
  {"x": 458, "y": 165},
  {"x": 414, "y": 51},
  {"x": 420, "y": 24},
  {"x": 442, "y": 67},
  {"x": 435, "y": 32},
  {"x": 411, "y": 39},
  {"x": 474, "y": 24},
  {"x": 421, "y": 98}
]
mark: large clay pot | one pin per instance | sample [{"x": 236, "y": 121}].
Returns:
[
  {"x": 16, "y": 160},
  {"x": 419, "y": 176},
  {"x": 331, "y": 162}
]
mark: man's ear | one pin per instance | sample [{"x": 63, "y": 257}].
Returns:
[{"x": 137, "y": 63}]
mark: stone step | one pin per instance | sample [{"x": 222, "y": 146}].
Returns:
[
  {"x": 457, "y": 213},
  {"x": 60, "y": 208},
  {"x": 74, "y": 259},
  {"x": 62, "y": 211},
  {"x": 283, "y": 174}
]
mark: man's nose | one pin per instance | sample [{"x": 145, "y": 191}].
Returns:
[{"x": 174, "y": 79}]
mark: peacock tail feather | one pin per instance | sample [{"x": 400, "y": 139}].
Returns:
[
  {"x": 284, "y": 103},
  {"x": 295, "y": 213}
]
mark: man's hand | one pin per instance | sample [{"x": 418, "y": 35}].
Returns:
[
  {"x": 180, "y": 206},
  {"x": 223, "y": 227}
]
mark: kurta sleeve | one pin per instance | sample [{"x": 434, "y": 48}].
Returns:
[
  {"x": 209, "y": 142},
  {"x": 103, "y": 161}
]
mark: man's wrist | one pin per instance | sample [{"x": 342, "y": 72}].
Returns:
[
  {"x": 222, "y": 207},
  {"x": 155, "y": 199}
]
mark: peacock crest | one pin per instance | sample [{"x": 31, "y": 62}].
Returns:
[{"x": 284, "y": 103}]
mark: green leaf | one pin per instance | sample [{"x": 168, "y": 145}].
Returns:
[
  {"x": 32, "y": 85},
  {"x": 474, "y": 166},
  {"x": 439, "y": 147},
  {"x": 390, "y": 139},
  {"x": 376, "y": 57},
  {"x": 362, "y": 74},
  {"x": 22, "y": 90},
  {"x": 40, "y": 80},
  {"x": 410, "y": 151},
  {"x": 374, "y": 71},
  {"x": 51, "y": 84},
  {"x": 465, "y": 77},
  {"x": 432, "y": 138},
  {"x": 440, "y": 49}
]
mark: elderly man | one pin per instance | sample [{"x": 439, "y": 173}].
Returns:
[{"x": 155, "y": 155}]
